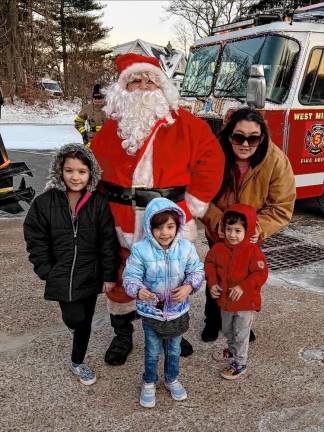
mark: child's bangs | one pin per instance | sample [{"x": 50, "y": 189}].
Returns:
[{"x": 161, "y": 218}]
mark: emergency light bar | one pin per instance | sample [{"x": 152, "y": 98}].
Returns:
[
  {"x": 255, "y": 21},
  {"x": 313, "y": 13}
]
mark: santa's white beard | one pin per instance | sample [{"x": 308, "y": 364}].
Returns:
[{"x": 136, "y": 113}]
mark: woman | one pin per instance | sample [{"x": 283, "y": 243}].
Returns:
[{"x": 257, "y": 173}]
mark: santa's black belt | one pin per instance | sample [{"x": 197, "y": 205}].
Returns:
[{"x": 140, "y": 196}]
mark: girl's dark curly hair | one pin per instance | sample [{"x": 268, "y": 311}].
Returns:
[{"x": 231, "y": 173}]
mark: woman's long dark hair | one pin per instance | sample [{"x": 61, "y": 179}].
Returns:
[{"x": 231, "y": 173}]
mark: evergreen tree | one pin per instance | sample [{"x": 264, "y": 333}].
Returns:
[
  {"x": 49, "y": 37},
  {"x": 77, "y": 29}
]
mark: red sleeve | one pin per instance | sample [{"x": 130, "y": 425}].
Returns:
[
  {"x": 99, "y": 138},
  {"x": 210, "y": 267},
  {"x": 258, "y": 271},
  {"x": 207, "y": 167}
]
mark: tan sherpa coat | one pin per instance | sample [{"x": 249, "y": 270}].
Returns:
[{"x": 269, "y": 187}]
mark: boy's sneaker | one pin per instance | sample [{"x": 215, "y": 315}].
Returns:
[
  {"x": 234, "y": 371},
  {"x": 227, "y": 354},
  {"x": 147, "y": 399},
  {"x": 178, "y": 392},
  {"x": 86, "y": 375}
]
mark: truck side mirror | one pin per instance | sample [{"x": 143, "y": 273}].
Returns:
[{"x": 256, "y": 87}]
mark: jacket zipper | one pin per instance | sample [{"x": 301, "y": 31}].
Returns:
[
  {"x": 166, "y": 258},
  {"x": 75, "y": 234},
  {"x": 228, "y": 272}
]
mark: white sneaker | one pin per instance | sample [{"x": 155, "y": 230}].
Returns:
[
  {"x": 178, "y": 392},
  {"x": 147, "y": 399}
]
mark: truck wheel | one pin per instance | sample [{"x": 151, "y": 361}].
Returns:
[{"x": 320, "y": 201}]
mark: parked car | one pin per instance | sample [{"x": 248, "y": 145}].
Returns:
[{"x": 52, "y": 87}]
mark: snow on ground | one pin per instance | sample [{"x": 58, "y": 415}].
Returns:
[
  {"x": 58, "y": 111},
  {"x": 312, "y": 354},
  {"x": 307, "y": 418},
  {"x": 38, "y": 137},
  {"x": 306, "y": 277},
  {"x": 24, "y": 126}
]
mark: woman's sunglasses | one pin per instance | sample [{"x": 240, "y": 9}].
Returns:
[{"x": 252, "y": 140}]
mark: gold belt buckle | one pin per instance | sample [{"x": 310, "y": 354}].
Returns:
[{"x": 133, "y": 188}]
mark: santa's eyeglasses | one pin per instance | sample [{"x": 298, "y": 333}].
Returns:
[{"x": 240, "y": 139}]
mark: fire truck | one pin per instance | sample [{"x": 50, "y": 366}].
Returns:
[{"x": 275, "y": 64}]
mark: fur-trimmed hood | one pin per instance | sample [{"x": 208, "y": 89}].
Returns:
[{"x": 55, "y": 178}]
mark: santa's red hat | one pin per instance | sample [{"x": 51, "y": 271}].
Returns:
[{"x": 130, "y": 63}]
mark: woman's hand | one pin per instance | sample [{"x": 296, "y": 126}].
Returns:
[
  {"x": 255, "y": 237},
  {"x": 145, "y": 294},
  {"x": 215, "y": 291},
  {"x": 235, "y": 293},
  {"x": 220, "y": 231},
  {"x": 181, "y": 293},
  {"x": 108, "y": 286}
]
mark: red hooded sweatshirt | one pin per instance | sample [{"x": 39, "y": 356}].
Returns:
[{"x": 242, "y": 264}]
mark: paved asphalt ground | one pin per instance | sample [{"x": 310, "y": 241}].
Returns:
[{"x": 283, "y": 390}]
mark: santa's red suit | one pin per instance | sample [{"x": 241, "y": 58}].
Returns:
[
  {"x": 179, "y": 158},
  {"x": 185, "y": 153}
]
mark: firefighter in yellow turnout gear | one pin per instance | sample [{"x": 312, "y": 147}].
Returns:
[{"x": 91, "y": 117}]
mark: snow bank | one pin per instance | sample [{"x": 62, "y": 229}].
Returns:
[{"x": 59, "y": 111}]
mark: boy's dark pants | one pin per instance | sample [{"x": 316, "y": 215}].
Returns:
[
  {"x": 78, "y": 317},
  {"x": 213, "y": 319}
]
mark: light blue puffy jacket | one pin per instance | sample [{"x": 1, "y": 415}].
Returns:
[{"x": 159, "y": 270}]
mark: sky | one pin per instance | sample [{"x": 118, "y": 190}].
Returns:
[{"x": 132, "y": 19}]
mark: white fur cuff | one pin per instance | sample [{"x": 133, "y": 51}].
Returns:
[
  {"x": 197, "y": 207},
  {"x": 120, "y": 308}
]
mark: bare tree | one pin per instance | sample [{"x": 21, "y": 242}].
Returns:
[
  {"x": 288, "y": 5},
  {"x": 203, "y": 15},
  {"x": 185, "y": 35},
  {"x": 11, "y": 47}
]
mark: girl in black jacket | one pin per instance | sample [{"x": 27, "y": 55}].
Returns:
[{"x": 71, "y": 240}]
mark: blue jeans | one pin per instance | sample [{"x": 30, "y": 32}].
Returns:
[{"x": 153, "y": 348}]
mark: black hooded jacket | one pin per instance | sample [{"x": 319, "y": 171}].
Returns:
[{"x": 73, "y": 257}]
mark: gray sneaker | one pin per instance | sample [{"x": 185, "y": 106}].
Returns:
[
  {"x": 86, "y": 375},
  {"x": 178, "y": 392}
]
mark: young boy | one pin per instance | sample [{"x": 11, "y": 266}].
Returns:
[
  {"x": 235, "y": 271},
  {"x": 71, "y": 240},
  {"x": 161, "y": 272}
]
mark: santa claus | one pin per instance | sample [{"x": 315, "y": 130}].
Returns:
[{"x": 149, "y": 147}]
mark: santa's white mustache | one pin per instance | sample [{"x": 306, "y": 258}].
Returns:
[{"x": 136, "y": 112}]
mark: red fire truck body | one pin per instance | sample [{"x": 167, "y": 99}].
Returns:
[{"x": 292, "y": 55}]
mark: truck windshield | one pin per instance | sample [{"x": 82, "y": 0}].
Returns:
[
  {"x": 199, "y": 72},
  {"x": 277, "y": 54}
]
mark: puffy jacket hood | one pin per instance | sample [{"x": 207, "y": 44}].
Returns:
[
  {"x": 250, "y": 214},
  {"x": 159, "y": 205},
  {"x": 55, "y": 178}
]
